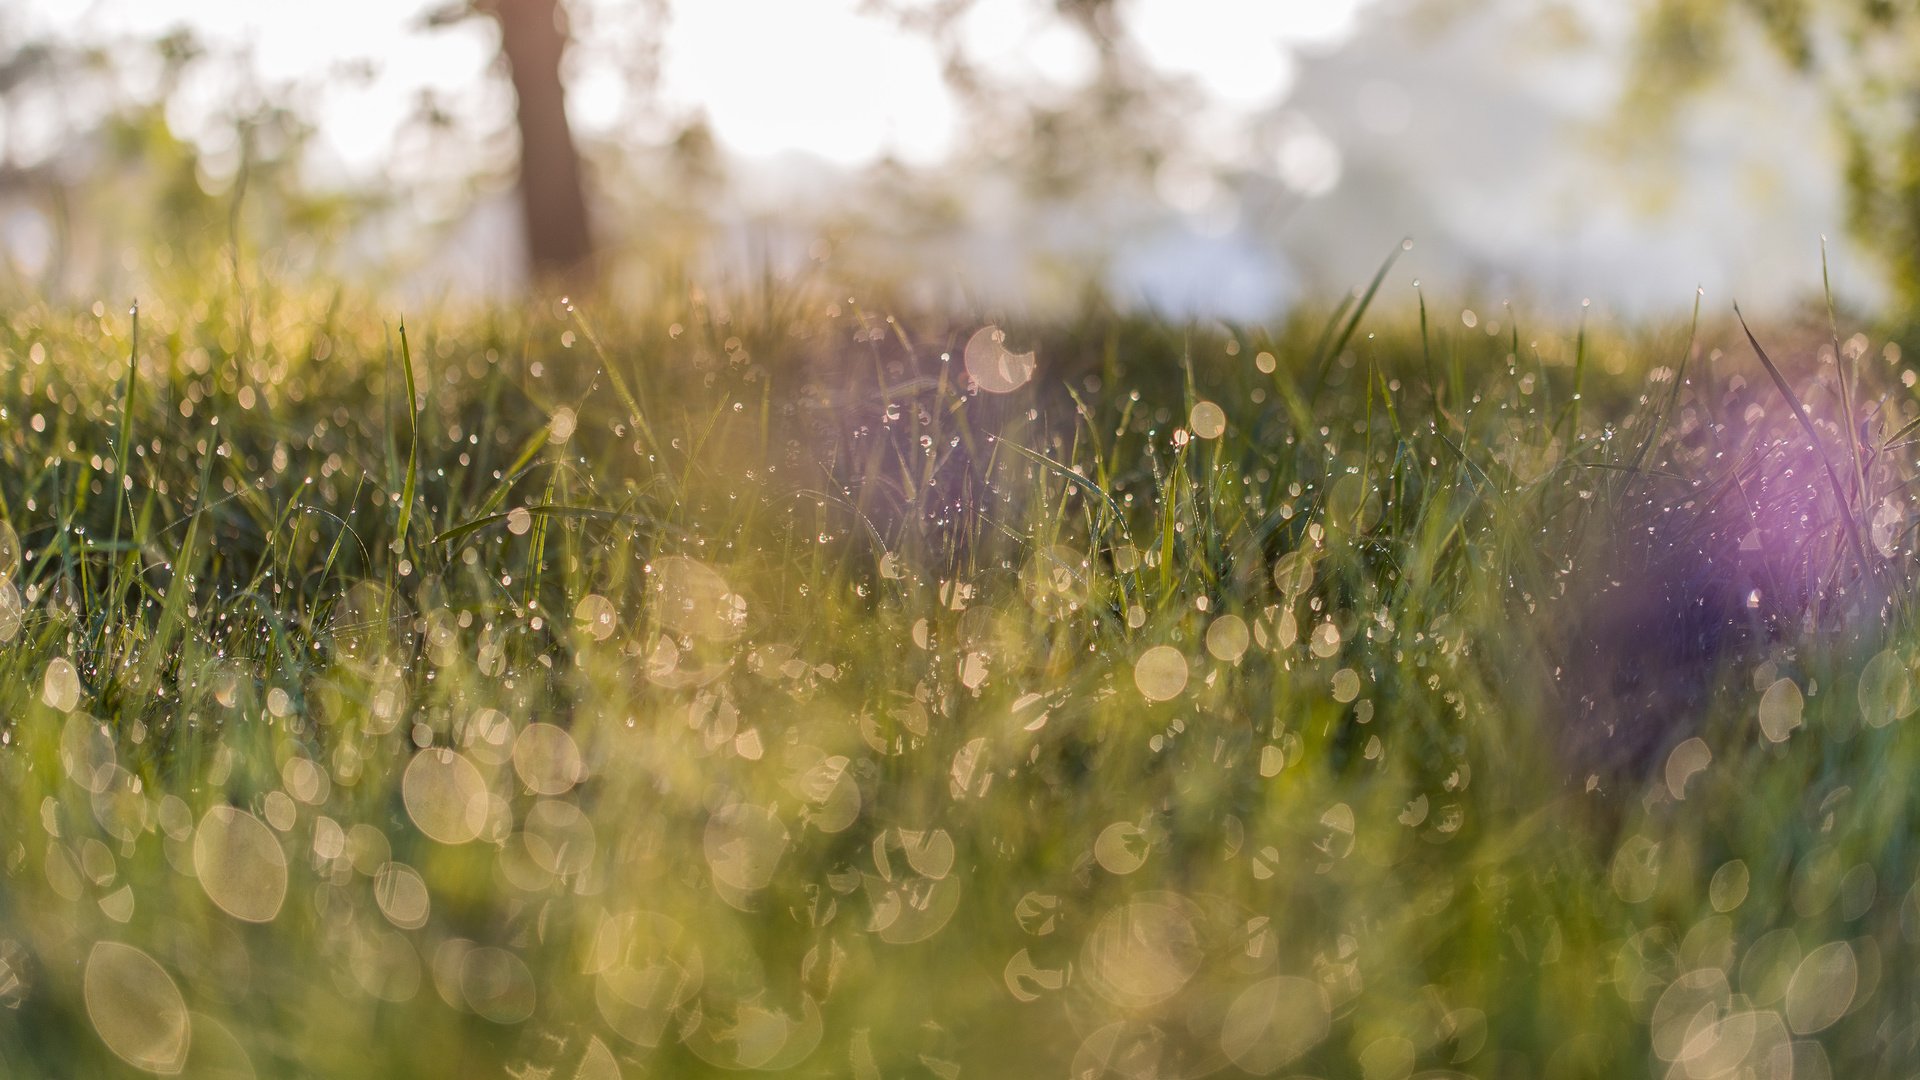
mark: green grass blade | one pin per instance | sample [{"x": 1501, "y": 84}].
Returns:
[
  {"x": 1325, "y": 361},
  {"x": 412, "y": 480},
  {"x": 1813, "y": 437}
]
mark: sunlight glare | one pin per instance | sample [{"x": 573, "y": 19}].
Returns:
[{"x": 819, "y": 76}]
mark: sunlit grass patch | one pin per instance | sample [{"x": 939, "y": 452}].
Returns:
[{"x": 777, "y": 686}]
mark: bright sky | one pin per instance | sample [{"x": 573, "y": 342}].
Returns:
[
  {"x": 771, "y": 75},
  {"x": 823, "y": 78}
]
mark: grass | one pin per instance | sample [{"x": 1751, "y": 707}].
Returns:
[{"x": 729, "y": 684}]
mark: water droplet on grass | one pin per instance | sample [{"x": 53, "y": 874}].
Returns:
[
  {"x": 1293, "y": 573},
  {"x": 1728, "y": 889},
  {"x": 1228, "y": 638},
  {"x": 1346, "y": 685},
  {"x": 497, "y": 985},
  {"x": 12, "y": 611},
  {"x": 1822, "y": 988},
  {"x": 1025, "y": 980},
  {"x": 1121, "y": 848},
  {"x": 279, "y": 810},
  {"x": 930, "y": 853},
  {"x": 1160, "y": 673},
  {"x": 118, "y": 905},
  {"x": 596, "y": 616},
  {"x": 136, "y": 1008},
  {"x": 1274, "y": 1022},
  {"x": 1698, "y": 996},
  {"x": 240, "y": 865},
  {"x": 1207, "y": 420},
  {"x": 1325, "y": 641},
  {"x": 1684, "y": 762},
  {"x": 546, "y": 759},
  {"x": 1886, "y": 690},
  {"x": 1780, "y": 710},
  {"x": 402, "y": 895},
  {"x": 995, "y": 368},
  {"x": 445, "y": 796},
  {"x": 1144, "y": 951},
  {"x": 60, "y": 688}
]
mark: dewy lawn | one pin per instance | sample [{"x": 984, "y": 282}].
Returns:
[{"x": 780, "y": 684}]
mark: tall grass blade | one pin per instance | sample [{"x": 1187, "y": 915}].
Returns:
[
  {"x": 1813, "y": 438},
  {"x": 1673, "y": 394},
  {"x": 413, "y": 440},
  {"x": 1326, "y": 359}
]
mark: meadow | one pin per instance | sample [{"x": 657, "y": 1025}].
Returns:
[{"x": 786, "y": 681}]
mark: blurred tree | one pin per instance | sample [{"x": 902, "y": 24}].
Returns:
[
  {"x": 533, "y": 41},
  {"x": 1863, "y": 55},
  {"x": 123, "y": 195}
]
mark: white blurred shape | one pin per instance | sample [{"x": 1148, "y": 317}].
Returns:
[
  {"x": 1231, "y": 48},
  {"x": 818, "y": 76},
  {"x": 1307, "y": 160},
  {"x": 1026, "y": 42}
]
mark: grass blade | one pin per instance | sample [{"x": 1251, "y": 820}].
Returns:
[
  {"x": 1673, "y": 395},
  {"x": 1359, "y": 311},
  {"x": 1070, "y": 476},
  {"x": 1813, "y": 437},
  {"x": 413, "y": 440}
]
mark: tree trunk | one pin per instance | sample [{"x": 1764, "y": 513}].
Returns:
[{"x": 552, "y": 196}]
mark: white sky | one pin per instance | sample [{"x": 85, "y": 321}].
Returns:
[{"x": 771, "y": 75}]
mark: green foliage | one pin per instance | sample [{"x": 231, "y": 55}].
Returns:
[{"x": 726, "y": 682}]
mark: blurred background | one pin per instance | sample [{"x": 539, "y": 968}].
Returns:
[{"x": 1199, "y": 158}]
